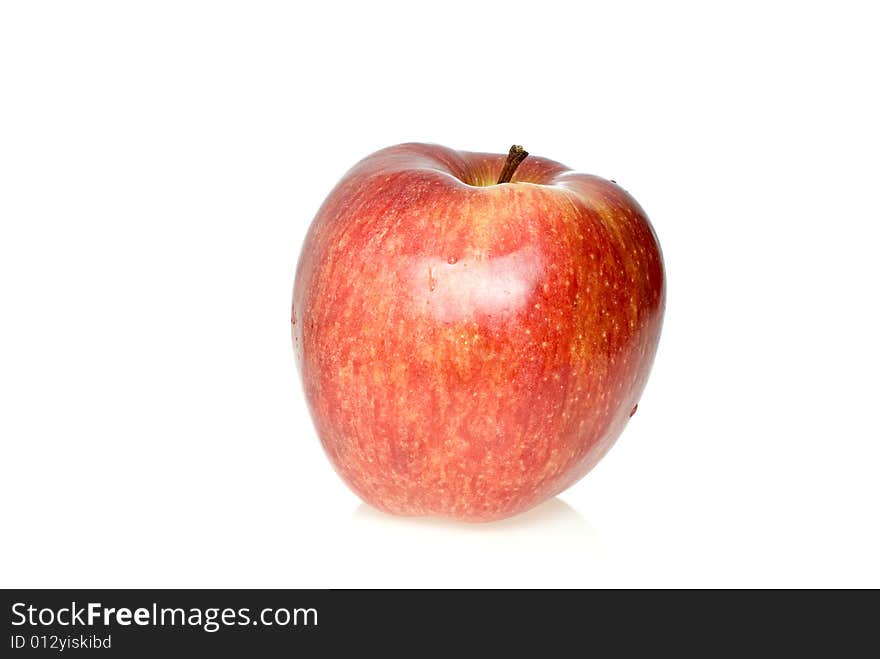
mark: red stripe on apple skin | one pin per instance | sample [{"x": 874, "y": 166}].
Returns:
[{"x": 467, "y": 351}]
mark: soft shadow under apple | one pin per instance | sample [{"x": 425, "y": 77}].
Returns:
[{"x": 554, "y": 524}]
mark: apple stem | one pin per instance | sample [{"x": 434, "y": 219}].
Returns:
[{"x": 514, "y": 157}]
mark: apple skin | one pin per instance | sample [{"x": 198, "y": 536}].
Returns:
[{"x": 468, "y": 350}]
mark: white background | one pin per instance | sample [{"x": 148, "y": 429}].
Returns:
[{"x": 160, "y": 163}]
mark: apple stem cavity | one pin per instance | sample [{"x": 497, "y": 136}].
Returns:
[{"x": 514, "y": 157}]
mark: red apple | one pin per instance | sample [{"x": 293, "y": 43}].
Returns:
[{"x": 469, "y": 347}]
